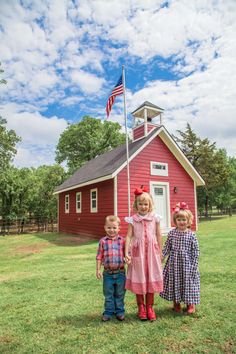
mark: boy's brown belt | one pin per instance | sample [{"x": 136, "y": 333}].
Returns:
[{"x": 114, "y": 271}]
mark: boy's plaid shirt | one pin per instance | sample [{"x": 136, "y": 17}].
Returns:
[{"x": 111, "y": 252}]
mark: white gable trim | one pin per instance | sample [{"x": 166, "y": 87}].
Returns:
[
  {"x": 177, "y": 152},
  {"x": 134, "y": 155}
]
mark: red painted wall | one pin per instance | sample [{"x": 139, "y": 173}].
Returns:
[
  {"x": 92, "y": 223},
  {"x": 140, "y": 174},
  {"x": 138, "y": 132},
  {"x": 87, "y": 223}
]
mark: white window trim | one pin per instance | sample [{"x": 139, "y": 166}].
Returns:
[
  {"x": 67, "y": 203},
  {"x": 94, "y": 210},
  {"x": 155, "y": 172},
  {"x": 78, "y": 210}
]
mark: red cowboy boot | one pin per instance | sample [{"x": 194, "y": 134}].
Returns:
[
  {"x": 149, "y": 303},
  {"x": 190, "y": 309},
  {"x": 177, "y": 307},
  {"x": 142, "y": 314}
]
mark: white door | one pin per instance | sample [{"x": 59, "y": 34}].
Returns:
[{"x": 160, "y": 194}]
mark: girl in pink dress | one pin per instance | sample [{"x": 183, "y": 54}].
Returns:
[{"x": 143, "y": 251}]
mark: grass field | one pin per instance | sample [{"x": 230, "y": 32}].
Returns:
[{"x": 51, "y": 302}]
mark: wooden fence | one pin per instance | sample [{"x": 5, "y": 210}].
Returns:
[{"x": 29, "y": 225}]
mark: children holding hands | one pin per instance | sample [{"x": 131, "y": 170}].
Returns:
[
  {"x": 181, "y": 275},
  {"x": 143, "y": 254},
  {"x": 110, "y": 254}
]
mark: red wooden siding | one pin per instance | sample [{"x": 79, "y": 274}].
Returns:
[
  {"x": 87, "y": 223},
  {"x": 150, "y": 127},
  {"x": 140, "y": 174},
  {"x": 138, "y": 132}
]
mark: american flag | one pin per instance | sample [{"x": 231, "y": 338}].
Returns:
[{"x": 117, "y": 90}]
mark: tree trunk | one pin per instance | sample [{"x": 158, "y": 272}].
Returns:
[{"x": 206, "y": 206}]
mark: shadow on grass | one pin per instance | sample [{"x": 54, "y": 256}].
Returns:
[
  {"x": 65, "y": 240},
  {"x": 93, "y": 320}
]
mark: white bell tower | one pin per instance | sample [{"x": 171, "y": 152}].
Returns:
[{"x": 143, "y": 117}]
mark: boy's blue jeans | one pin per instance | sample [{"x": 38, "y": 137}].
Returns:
[{"x": 114, "y": 292}]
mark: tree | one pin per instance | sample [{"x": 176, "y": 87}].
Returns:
[
  {"x": 14, "y": 190},
  {"x": 212, "y": 164},
  {"x": 85, "y": 140},
  {"x": 8, "y": 140},
  {"x": 226, "y": 198},
  {"x": 28, "y": 192},
  {"x": 43, "y": 204}
]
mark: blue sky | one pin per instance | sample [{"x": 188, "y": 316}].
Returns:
[{"x": 62, "y": 58}]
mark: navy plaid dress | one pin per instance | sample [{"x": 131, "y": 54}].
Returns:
[{"x": 181, "y": 275}]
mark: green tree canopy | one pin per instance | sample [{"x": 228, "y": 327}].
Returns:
[
  {"x": 8, "y": 140},
  {"x": 212, "y": 164},
  {"x": 85, "y": 140},
  {"x": 42, "y": 202},
  {"x": 28, "y": 192}
]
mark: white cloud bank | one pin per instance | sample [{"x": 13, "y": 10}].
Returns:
[
  {"x": 39, "y": 135},
  {"x": 57, "y": 53}
]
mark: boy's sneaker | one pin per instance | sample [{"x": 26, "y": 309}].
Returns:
[
  {"x": 120, "y": 317},
  {"x": 105, "y": 318}
]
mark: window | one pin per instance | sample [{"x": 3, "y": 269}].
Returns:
[
  {"x": 158, "y": 191},
  {"x": 78, "y": 202},
  {"x": 67, "y": 203},
  {"x": 94, "y": 200},
  {"x": 159, "y": 168}
]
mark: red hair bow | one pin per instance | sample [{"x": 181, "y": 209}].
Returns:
[
  {"x": 140, "y": 190},
  {"x": 180, "y": 206}
]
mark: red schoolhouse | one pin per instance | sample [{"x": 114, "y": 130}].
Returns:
[{"x": 99, "y": 188}]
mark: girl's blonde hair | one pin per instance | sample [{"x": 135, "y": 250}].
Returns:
[
  {"x": 183, "y": 213},
  {"x": 140, "y": 198}
]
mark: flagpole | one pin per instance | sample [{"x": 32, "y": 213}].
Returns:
[{"x": 127, "y": 138}]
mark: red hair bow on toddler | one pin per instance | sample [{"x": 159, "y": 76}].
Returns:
[
  {"x": 180, "y": 206},
  {"x": 140, "y": 190}
]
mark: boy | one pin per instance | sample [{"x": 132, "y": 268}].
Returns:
[{"x": 110, "y": 254}]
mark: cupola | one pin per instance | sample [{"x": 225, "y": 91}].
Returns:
[{"x": 144, "y": 119}]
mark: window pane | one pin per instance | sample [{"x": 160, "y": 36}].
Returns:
[{"x": 158, "y": 191}]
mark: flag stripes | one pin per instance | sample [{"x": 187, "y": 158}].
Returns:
[{"x": 117, "y": 90}]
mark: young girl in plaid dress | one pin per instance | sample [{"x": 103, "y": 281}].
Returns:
[
  {"x": 180, "y": 274},
  {"x": 143, "y": 254}
]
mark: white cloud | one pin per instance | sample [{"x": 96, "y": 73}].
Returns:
[
  {"x": 87, "y": 82},
  {"x": 34, "y": 156},
  {"x": 32, "y": 127},
  {"x": 39, "y": 134}
]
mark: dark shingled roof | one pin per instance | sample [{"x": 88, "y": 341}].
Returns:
[
  {"x": 149, "y": 104},
  {"x": 104, "y": 164}
]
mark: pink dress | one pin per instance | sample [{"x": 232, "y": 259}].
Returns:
[{"x": 144, "y": 274}]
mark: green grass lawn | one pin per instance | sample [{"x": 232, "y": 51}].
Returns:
[{"x": 51, "y": 301}]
